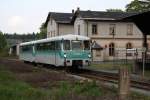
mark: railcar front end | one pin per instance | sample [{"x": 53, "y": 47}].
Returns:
[{"x": 76, "y": 53}]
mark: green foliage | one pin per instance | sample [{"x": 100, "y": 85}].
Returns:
[
  {"x": 138, "y": 96},
  {"x": 12, "y": 89},
  {"x": 43, "y": 32},
  {"x": 138, "y": 6},
  {"x": 114, "y": 10},
  {"x": 3, "y": 42},
  {"x": 87, "y": 88},
  {"x": 67, "y": 90},
  {"x": 64, "y": 89}
]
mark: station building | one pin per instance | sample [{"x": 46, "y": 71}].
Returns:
[{"x": 107, "y": 30}]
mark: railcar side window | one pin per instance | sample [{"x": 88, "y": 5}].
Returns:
[
  {"x": 57, "y": 45},
  {"x": 53, "y": 45},
  {"x": 48, "y": 46},
  {"x": 66, "y": 44},
  {"x": 39, "y": 47},
  {"x": 26, "y": 48},
  {"x": 86, "y": 45}
]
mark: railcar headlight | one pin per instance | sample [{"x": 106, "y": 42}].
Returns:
[
  {"x": 89, "y": 56},
  {"x": 65, "y": 55}
]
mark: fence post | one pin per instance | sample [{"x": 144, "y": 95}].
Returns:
[{"x": 124, "y": 83}]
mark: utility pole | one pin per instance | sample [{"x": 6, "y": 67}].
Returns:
[
  {"x": 144, "y": 56},
  {"x": 124, "y": 83}
]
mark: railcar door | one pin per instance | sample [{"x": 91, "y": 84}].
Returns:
[{"x": 57, "y": 53}]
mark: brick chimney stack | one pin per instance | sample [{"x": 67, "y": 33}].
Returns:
[{"x": 78, "y": 9}]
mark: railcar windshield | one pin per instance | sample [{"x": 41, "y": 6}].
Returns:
[{"x": 77, "y": 45}]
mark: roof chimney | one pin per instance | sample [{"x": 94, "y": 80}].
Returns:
[
  {"x": 72, "y": 11},
  {"x": 78, "y": 9}
]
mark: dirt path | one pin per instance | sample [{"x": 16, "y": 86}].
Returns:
[{"x": 36, "y": 76}]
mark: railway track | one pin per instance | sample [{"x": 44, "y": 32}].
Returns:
[{"x": 113, "y": 78}]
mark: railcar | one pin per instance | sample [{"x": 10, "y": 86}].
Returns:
[{"x": 66, "y": 50}]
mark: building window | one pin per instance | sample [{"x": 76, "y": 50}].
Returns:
[
  {"x": 112, "y": 29},
  {"x": 78, "y": 29},
  {"x": 94, "y": 29},
  {"x": 129, "y": 29},
  {"x": 111, "y": 49},
  {"x": 98, "y": 53},
  {"x": 128, "y": 46}
]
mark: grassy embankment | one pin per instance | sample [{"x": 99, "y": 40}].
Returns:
[{"x": 13, "y": 89}]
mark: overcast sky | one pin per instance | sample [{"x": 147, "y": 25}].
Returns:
[{"x": 26, "y": 16}]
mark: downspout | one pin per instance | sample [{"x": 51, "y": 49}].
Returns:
[
  {"x": 145, "y": 44},
  {"x": 145, "y": 41},
  {"x": 58, "y": 29},
  {"x": 87, "y": 29}
]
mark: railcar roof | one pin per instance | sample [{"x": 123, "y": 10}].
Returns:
[
  {"x": 63, "y": 37},
  {"x": 27, "y": 43}
]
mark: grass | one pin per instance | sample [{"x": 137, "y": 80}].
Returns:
[
  {"x": 138, "y": 96},
  {"x": 67, "y": 90},
  {"x": 147, "y": 74},
  {"x": 12, "y": 89},
  {"x": 110, "y": 66}
]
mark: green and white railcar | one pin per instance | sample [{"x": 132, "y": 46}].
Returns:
[{"x": 66, "y": 50}]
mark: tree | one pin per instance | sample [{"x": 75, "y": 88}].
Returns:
[
  {"x": 3, "y": 42},
  {"x": 43, "y": 32},
  {"x": 138, "y": 6},
  {"x": 114, "y": 10},
  {"x": 147, "y": 4}
]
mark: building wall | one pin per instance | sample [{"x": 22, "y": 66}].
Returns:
[
  {"x": 66, "y": 29},
  {"x": 55, "y": 29},
  {"x": 51, "y": 28},
  {"x": 103, "y": 29},
  {"x": 119, "y": 44},
  {"x": 82, "y": 24},
  {"x": 103, "y": 37}
]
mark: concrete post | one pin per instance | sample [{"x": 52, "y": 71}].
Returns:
[{"x": 124, "y": 83}]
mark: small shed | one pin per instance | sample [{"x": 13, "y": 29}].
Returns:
[
  {"x": 97, "y": 52},
  {"x": 96, "y": 46},
  {"x": 14, "y": 50}
]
